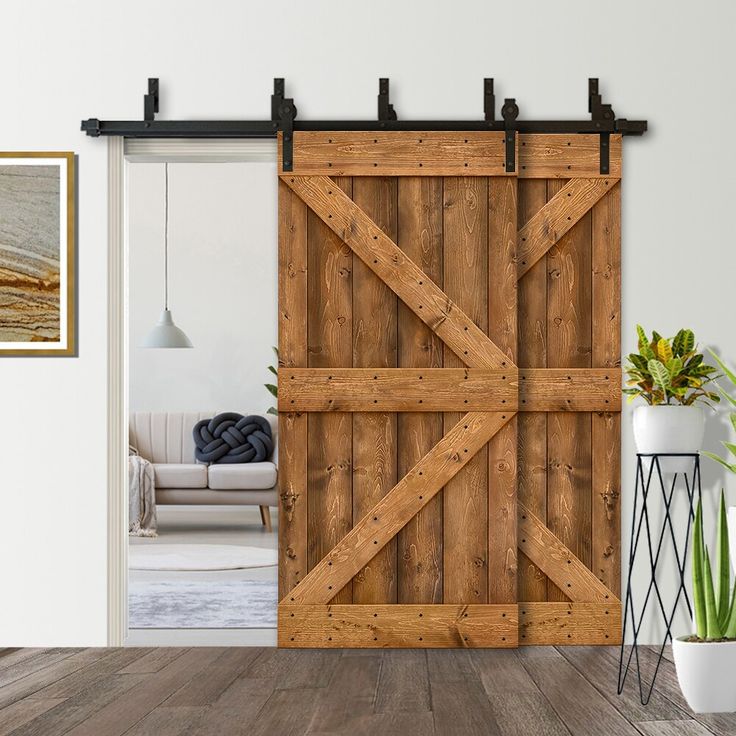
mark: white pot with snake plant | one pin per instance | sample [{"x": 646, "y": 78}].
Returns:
[
  {"x": 706, "y": 660},
  {"x": 670, "y": 375}
]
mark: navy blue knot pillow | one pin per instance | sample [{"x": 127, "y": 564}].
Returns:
[{"x": 233, "y": 438}]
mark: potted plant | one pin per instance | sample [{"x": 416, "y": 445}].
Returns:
[
  {"x": 731, "y": 447},
  {"x": 272, "y": 388},
  {"x": 671, "y": 377},
  {"x": 706, "y": 660}
]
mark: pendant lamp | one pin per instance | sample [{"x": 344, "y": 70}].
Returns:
[{"x": 165, "y": 334}]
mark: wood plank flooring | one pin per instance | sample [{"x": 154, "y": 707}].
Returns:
[{"x": 269, "y": 692}]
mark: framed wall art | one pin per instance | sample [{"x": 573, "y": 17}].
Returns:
[{"x": 37, "y": 254}]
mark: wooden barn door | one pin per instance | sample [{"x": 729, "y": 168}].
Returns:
[
  {"x": 397, "y": 391},
  {"x": 400, "y": 290},
  {"x": 569, "y": 269}
]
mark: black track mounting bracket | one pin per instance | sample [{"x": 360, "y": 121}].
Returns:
[
  {"x": 283, "y": 113},
  {"x": 509, "y": 112},
  {"x": 601, "y": 114},
  {"x": 386, "y": 111},
  {"x": 150, "y": 100},
  {"x": 489, "y": 100}
]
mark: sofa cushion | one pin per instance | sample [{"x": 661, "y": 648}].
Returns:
[
  {"x": 248, "y": 476},
  {"x": 180, "y": 475}
]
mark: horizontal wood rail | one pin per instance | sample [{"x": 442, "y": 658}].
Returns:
[
  {"x": 570, "y": 389},
  {"x": 542, "y": 623},
  {"x": 397, "y": 389},
  {"x": 398, "y": 625},
  {"x": 557, "y": 217},
  {"x": 558, "y": 563},
  {"x": 560, "y": 156},
  {"x": 412, "y": 493},
  {"x": 410, "y": 153},
  {"x": 379, "y": 252},
  {"x": 449, "y": 389}
]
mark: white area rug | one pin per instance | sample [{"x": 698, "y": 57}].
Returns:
[
  {"x": 242, "y": 604},
  {"x": 198, "y": 557}
]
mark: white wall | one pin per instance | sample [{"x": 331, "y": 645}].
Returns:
[
  {"x": 670, "y": 63},
  {"x": 222, "y": 284}
]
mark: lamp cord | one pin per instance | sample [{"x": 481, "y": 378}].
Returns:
[{"x": 166, "y": 238}]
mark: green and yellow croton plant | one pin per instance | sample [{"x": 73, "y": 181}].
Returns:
[{"x": 669, "y": 370}]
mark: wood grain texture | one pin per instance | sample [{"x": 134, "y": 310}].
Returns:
[
  {"x": 425, "y": 153},
  {"x": 292, "y": 353},
  {"x": 569, "y": 345},
  {"x": 558, "y": 562},
  {"x": 596, "y": 664},
  {"x": 414, "y": 626},
  {"x": 538, "y": 689},
  {"x": 502, "y": 448},
  {"x": 559, "y": 156},
  {"x": 561, "y": 213},
  {"x": 330, "y": 344},
  {"x": 390, "y": 514},
  {"x": 374, "y": 344},
  {"x": 401, "y": 274},
  {"x": 465, "y": 269},
  {"x": 606, "y": 425},
  {"x": 420, "y": 541},
  {"x": 581, "y": 707},
  {"x": 542, "y": 623},
  {"x": 116, "y": 717},
  {"x": 532, "y": 427},
  {"x": 570, "y": 389},
  {"x": 400, "y": 389}
]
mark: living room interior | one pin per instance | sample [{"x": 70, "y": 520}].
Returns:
[
  {"x": 202, "y": 556},
  {"x": 367, "y": 368}
]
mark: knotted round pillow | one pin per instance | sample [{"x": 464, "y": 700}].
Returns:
[{"x": 233, "y": 438}]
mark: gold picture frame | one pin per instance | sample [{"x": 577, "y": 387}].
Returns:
[{"x": 38, "y": 271}]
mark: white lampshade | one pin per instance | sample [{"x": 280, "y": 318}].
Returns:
[{"x": 165, "y": 334}]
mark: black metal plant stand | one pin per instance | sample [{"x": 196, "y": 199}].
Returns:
[{"x": 654, "y": 544}]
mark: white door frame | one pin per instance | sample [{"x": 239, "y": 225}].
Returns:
[{"x": 119, "y": 151}]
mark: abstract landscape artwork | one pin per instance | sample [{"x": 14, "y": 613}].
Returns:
[{"x": 37, "y": 258}]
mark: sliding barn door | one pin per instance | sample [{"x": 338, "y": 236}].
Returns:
[
  {"x": 569, "y": 270},
  {"x": 405, "y": 310}
]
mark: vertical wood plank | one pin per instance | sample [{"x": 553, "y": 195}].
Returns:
[
  {"x": 606, "y": 426},
  {"x": 569, "y": 336},
  {"x": 465, "y": 502},
  {"x": 420, "y": 541},
  {"x": 532, "y": 426},
  {"x": 502, "y": 329},
  {"x": 374, "y": 433},
  {"x": 329, "y": 462},
  {"x": 292, "y": 353}
]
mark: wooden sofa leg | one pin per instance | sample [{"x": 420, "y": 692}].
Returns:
[{"x": 266, "y": 517}]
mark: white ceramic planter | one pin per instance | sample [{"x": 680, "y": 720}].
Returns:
[
  {"x": 705, "y": 671},
  {"x": 670, "y": 429}
]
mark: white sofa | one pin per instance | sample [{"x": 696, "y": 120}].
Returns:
[{"x": 165, "y": 439}]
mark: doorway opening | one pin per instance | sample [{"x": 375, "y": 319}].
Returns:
[{"x": 200, "y": 241}]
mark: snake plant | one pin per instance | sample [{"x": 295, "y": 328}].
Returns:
[
  {"x": 666, "y": 371},
  {"x": 715, "y": 602}
]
